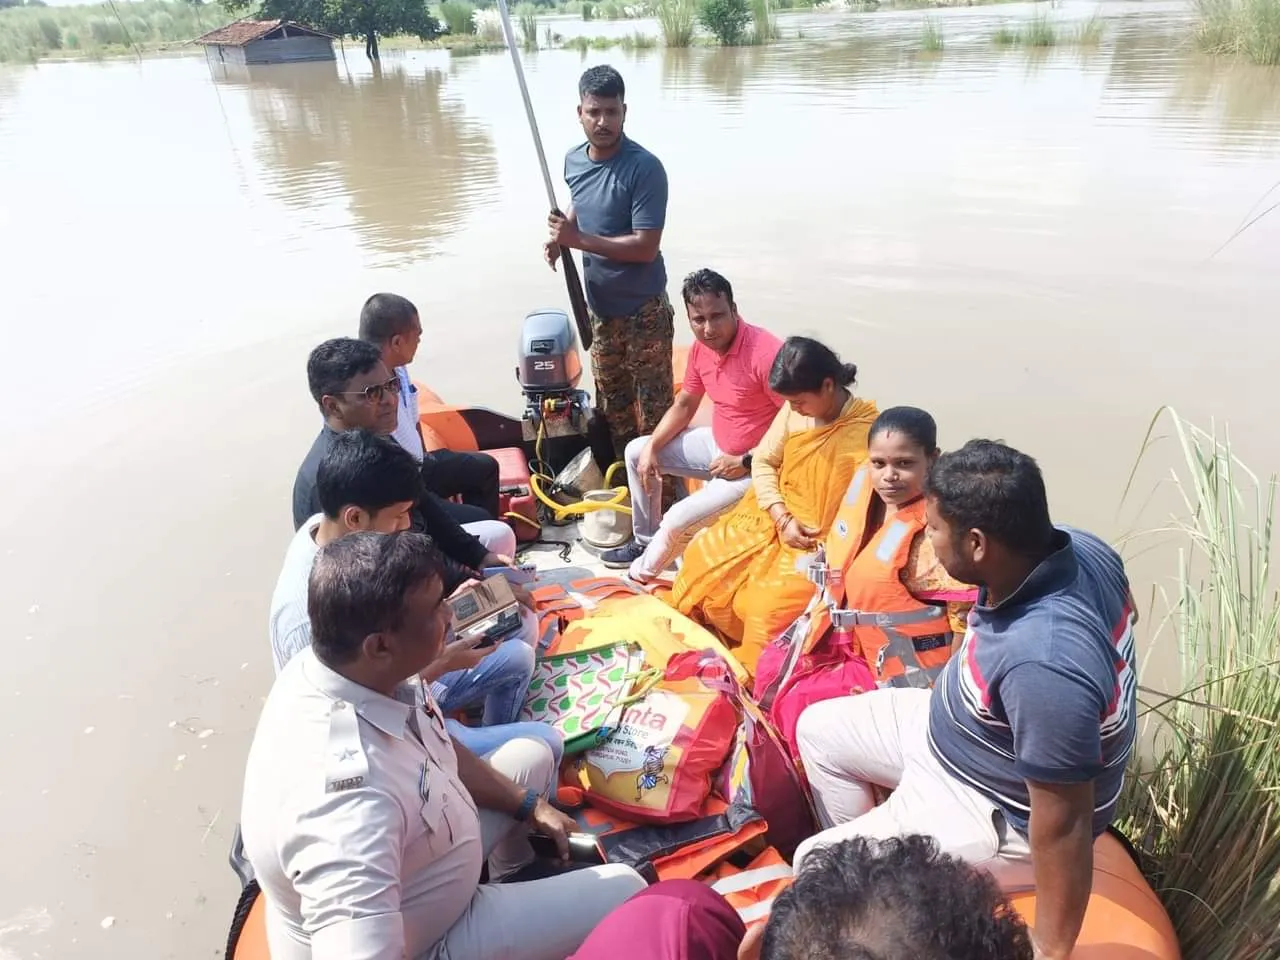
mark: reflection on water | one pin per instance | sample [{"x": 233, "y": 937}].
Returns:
[{"x": 407, "y": 161}]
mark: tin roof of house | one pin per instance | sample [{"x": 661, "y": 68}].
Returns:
[{"x": 244, "y": 32}]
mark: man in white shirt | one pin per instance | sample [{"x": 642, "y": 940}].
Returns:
[
  {"x": 365, "y": 824},
  {"x": 391, "y": 323},
  {"x": 365, "y": 482}
]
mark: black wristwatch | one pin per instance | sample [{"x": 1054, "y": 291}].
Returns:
[{"x": 746, "y": 461}]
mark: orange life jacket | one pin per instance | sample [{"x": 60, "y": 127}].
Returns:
[
  {"x": 752, "y": 890},
  {"x": 557, "y": 605},
  {"x": 905, "y": 642}
]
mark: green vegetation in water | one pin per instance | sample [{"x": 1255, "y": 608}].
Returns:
[
  {"x": 1006, "y": 36},
  {"x": 1203, "y": 804},
  {"x": 30, "y": 33},
  {"x": 1040, "y": 31},
  {"x": 632, "y": 41},
  {"x": 1249, "y": 28},
  {"x": 527, "y": 17},
  {"x": 931, "y": 39},
  {"x": 458, "y": 17},
  {"x": 1089, "y": 33},
  {"x": 764, "y": 29},
  {"x": 677, "y": 19},
  {"x": 726, "y": 20}
]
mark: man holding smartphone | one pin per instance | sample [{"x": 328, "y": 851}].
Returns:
[
  {"x": 366, "y": 824},
  {"x": 366, "y": 482}
]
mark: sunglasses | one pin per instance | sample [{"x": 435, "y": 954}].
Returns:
[{"x": 374, "y": 392}]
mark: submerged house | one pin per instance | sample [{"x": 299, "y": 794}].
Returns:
[{"x": 247, "y": 42}]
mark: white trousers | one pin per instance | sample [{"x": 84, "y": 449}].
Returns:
[
  {"x": 688, "y": 455},
  {"x": 496, "y": 536},
  {"x": 880, "y": 739},
  {"x": 541, "y": 919}
]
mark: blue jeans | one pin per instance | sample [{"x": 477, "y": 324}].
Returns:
[{"x": 500, "y": 681}]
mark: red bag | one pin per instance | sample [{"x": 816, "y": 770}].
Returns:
[
  {"x": 759, "y": 774},
  {"x": 658, "y": 764},
  {"x": 788, "y": 679}
]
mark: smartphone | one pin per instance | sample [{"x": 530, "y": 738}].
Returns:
[
  {"x": 522, "y": 574},
  {"x": 583, "y": 848}
]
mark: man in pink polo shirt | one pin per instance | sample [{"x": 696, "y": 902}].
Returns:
[{"x": 730, "y": 361}]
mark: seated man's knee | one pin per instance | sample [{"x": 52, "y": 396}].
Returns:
[
  {"x": 516, "y": 657},
  {"x": 488, "y": 463},
  {"x": 812, "y": 726},
  {"x": 634, "y": 449},
  {"x": 529, "y": 760}
]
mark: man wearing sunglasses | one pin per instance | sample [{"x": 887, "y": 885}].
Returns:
[{"x": 355, "y": 391}]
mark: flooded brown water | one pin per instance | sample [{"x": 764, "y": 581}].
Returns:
[{"x": 1020, "y": 242}]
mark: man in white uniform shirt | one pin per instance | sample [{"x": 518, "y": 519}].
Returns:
[{"x": 365, "y": 824}]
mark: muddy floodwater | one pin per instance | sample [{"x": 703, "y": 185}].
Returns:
[{"x": 1025, "y": 243}]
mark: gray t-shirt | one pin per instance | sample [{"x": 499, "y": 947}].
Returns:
[
  {"x": 1044, "y": 686},
  {"x": 612, "y": 198}
]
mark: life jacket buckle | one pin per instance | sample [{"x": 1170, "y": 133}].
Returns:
[
  {"x": 844, "y": 619},
  {"x": 817, "y": 571}
]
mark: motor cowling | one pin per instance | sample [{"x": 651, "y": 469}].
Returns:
[{"x": 548, "y": 359}]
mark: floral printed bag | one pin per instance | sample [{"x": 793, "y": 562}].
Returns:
[{"x": 583, "y": 693}]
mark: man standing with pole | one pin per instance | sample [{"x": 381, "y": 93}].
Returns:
[{"x": 616, "y": 217}]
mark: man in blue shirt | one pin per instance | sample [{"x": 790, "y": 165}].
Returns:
[
  {"x": 1015, "y": 759},
  {"x": 616, "y": 218}
]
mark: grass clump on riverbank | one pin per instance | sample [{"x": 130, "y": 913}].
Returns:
[
  {"x": 1203, "y": 804},
  {"x": 28, "y": 34},
  {"x": 1249, "y": 28}
]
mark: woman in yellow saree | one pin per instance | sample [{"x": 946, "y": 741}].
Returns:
[{"x": 745, "y": 576}]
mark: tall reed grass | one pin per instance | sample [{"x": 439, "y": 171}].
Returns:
[
  {"x": 28, "y": 34},
  {"x": 1203, "y": 804},
  {"x": 677, "y": 18},
  {"x": 1249, "y": 28},
  {"x": 1040, "y": 31},
  {"x": 764, "y": 28},
  {"x": 931, "y": 38},
  {"x": 527, "y": 19},
  {"x": 457, "y": 16}
]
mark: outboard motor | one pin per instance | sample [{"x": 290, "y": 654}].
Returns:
[{"x": 549, "y": 368}]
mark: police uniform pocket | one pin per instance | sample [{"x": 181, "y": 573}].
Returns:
[{"x": 432, "y": 788}]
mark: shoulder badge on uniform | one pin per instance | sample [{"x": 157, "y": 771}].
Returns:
[{"x": 346, "y": 765}]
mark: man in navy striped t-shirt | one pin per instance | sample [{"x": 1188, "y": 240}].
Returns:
[{"x": 1016, "y": 757}]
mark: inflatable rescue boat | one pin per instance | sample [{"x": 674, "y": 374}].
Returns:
[{"x": 1125, "y": 919}]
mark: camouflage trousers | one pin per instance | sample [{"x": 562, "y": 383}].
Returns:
[{"x": 631, "y": 358}]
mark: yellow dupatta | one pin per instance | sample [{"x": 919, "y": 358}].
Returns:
[{"x": 737, "y": 576}]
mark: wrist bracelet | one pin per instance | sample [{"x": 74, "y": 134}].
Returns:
[{"x": 527, "y": 804}]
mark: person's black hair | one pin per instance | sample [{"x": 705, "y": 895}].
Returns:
[
  {"x": 706, "y": 281},
  {"x": 384, "y": 315},
  {"x": 897, "y": 899},
  {"x": 989, "y": 486},
  {"x": 359, "y": 585},
  {"x": 912, "y": 422},
  {"x": 803, "y": 364},
  {"x": 602, "y": 81},
  {"x": 335, "y": 363},
  {"x": 362, "y": 469}
]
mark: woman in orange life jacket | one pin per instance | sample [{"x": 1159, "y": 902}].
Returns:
[{"x": 888, "y": 566}]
